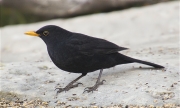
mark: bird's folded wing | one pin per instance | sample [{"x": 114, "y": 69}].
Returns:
[{"x": 90, "y": 45}]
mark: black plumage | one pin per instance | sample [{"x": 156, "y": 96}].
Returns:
[{"x": 79, "y": 53}]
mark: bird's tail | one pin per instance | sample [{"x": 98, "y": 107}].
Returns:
[
  {"x": 148, "y": 63},
  {"x": 127, "y": 59}
]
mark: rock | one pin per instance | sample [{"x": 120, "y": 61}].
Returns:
[{"x": 67, "y": 8}]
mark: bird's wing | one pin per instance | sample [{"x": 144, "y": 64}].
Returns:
[{"x": 90, "y": 45}]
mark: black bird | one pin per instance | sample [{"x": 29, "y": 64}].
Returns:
[{"x": 79, "y": 53}]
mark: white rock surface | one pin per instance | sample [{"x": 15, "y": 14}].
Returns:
[{"x": 150, "y": 32}]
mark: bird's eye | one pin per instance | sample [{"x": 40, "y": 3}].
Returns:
[{"x": 45, "y": 33}]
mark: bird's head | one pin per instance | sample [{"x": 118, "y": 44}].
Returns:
[{"x": 50, "y": 34}]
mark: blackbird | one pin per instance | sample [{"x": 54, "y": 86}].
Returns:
[{"x": 79, "y": 53}]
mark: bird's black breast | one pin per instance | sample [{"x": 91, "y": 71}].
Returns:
[
  {"x": 60, "y": 56},
  {"x": 67, "y": 59}
]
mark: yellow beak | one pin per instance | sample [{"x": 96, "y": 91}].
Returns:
[{"x": 31, "y": 33}]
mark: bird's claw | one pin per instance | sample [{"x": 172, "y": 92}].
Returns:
[
  {"x": 68, "y": 87},
  {"x": 91, "y": 89},
  {"x": 61, "y": 90}
]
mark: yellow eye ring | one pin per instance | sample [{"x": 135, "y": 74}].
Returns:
[{"x": 45, "y": 33}]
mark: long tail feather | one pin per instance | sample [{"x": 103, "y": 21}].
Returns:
[
  {"x": 148, "y": 63},
  {"x": 125, "y": 59}
]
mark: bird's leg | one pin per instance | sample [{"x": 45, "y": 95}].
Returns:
[
  {"x": 98, "y": 82},
  {"x": 70, "y": 85}
]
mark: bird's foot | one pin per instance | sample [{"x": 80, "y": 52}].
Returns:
[
  {"x": 67, "y": 88},
  {"x": 93, "y": 88}
]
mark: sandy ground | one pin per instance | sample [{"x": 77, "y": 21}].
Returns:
[{"x": 151, "y": 33}]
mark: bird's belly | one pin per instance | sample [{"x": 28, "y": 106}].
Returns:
[
  {"x": 79, "y": 63},
  {"x": 66, "y": 62},
  {"x": 75, "y": 65}
]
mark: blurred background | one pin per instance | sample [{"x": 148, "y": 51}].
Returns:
[{"x": 28, "y": 11}]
